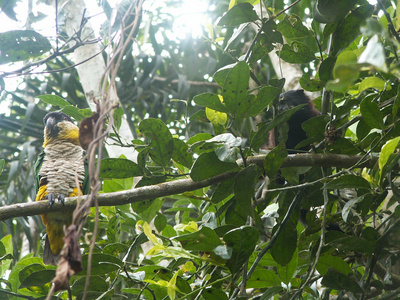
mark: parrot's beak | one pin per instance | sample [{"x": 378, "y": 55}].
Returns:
[{"x": 51, "y": 127}]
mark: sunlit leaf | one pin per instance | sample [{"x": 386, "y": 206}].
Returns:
[
  {"x": 20, "y": 45},
  {"x": 240, "y": 13},
  {"x": 296, "y": 53}
]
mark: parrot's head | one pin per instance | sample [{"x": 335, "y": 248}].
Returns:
[{"x": 59, "y": 127}]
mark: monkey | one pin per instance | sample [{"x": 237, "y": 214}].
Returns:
[{"x": 296, "y": 133}]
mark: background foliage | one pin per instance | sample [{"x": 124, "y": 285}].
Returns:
[{"x": 194, "y": 107}]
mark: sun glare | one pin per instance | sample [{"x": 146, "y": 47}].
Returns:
[{"x": 191, "y": 18}]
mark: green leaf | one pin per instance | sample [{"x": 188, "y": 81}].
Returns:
[
  {"x": 235, "y": 214},
  {"x": 292, "y": 27},
  {"x": 97, "y": 284},
  {"x": 2, "y": 163},
  {"x": 53, "y": 100},
  {"x": 349, "y": 206},
  {"x": 263, "y": 278},
  {"x": 73, "y": 112},
  {"x": 315, "y": 129},
  {"x": 223, "y": 191},
  {"x": 118, "y": 113},
  {"x": 285, "y": 244},
  {"x": 114, "y": 229},
  {"x": 161, "y": 141},
  {"x": 244, "y": 187},
  {"x": 266, "y": 95},
  {"x": 19, "y": 266},
  {"x": 263, "y": 46},
  {"x": 337, "y": 263},
  {"x": 352, "y": 243},
  {"x": 211, "y": 101},
  {"x": 387, "y": 150},
  {"x": 325, "y": 69},
  {"x": 235, "y": 90},
  {"x": 372, "y": 82},
  {"x": 336, "y": 280},
  {"x": 199, "y": 138},
  {"x": 216, "y": 117},
  {"x": 160, "y": 222},
  {"x": 296, "y": 53},
  {"x": 232, "y": 3},
  {"x": 6, "y": 251},
  {"x": 349, "y": 28},
  {"x": 287, "y": 272},
  {"x": 8, "y": 7},
  {"x": 311, "y": 85},
  {"x": 101, "y": 264},
  {"x": 147, "y": 209},
  {"x": 115, "y": 185},
  {"x": 208, "y": 165},
  {"x": 371, "y": 113},
  {"x": 262, "y": 134},
  {"x": 274, "y": 159},
  {"x": 241, "y": 13},
  {"x": 181, "y": 153},
  {"x": 345, "y": 76},
  {"x": 329, "y": 11},
  {"x": 119, "y": 168},
  {"x": 28, "y": 270},
  {"x": 214, "y": 294},
  {"x": 220, "y": 74},
  {"x": 349, "y": 181},
  {"x": 20, "y": 45},
  {"x": 242, "y": 241},
  {"x": 204, "y": 240},
  {"x": 38, "y": 278}
]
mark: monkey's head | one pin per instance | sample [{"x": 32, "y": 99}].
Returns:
[{"x": 291, "y": 99}]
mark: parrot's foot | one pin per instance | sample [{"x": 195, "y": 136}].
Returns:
[{"x": 52, "y": 198}]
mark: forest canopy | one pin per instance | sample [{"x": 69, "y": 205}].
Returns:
[{"x": 197, "y": 188}]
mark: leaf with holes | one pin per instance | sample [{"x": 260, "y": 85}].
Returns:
[
  {"x": 296, "y": 53},
  {"x": 235, "y": 90},
  {"x": 20, "y": 45}
]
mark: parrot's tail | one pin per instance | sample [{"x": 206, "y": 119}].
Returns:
[{"x": 48, "y": 257}]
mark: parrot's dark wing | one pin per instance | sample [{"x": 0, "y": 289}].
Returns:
[
  {"x": 86, "y": 183},
  {"x": 38, "y": 165}
]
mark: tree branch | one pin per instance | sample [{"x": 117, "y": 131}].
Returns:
[{"x": 180, "y": 186}]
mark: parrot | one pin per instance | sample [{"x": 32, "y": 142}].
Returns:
[{"x": 58, "y": 170}]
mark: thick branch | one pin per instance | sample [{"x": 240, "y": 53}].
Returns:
[
  {"x": 179, "y": 186},
  {"x": 318, "y": 160},
  {"x": 112, "y": 199}
]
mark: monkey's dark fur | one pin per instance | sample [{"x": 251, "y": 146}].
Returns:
[{"x": 296, "y": 134}]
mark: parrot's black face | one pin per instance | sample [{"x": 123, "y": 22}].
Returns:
[{"x": 59, "y": 126}]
